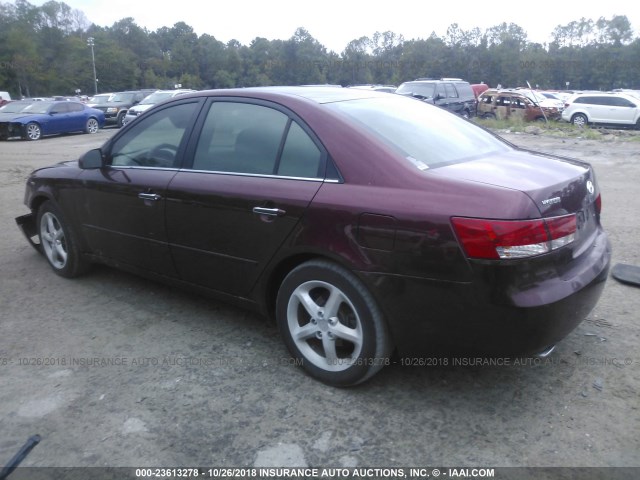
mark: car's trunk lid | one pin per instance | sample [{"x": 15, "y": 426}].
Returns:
[{"x": 557, "y": 186}]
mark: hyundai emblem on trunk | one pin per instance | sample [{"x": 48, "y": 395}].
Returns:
[{"x": 590, "y": 187}]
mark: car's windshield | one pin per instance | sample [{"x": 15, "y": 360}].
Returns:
[
  {"x": 425, "y": 135},
  {"x": 38, "y": 107},
  {"x": 121, "y": 97},
  {"x": 156, "y": 97},
  {"x": 14, "y": 107},
  {"x": 426, "y": 90},
  {"x": 100, "y": 99}
]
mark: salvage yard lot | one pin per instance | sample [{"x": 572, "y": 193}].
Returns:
[{"x": 114, "y": 370}]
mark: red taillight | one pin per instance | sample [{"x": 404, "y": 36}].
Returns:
[
  {"x": 496, "y": 239},
  {"x": 598, "y": 204}
]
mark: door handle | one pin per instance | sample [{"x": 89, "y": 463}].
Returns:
[
  {"x": 272, "y": 212},
  {"x": 149, "y": 196}
]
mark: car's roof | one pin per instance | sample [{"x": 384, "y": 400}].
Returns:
[{"x": 317, "y": 94}]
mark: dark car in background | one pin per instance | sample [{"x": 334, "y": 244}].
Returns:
[
  {"x": 49, "y": 118},
  {"x": 117, "y": 105},
  {"x": 453, "y": 94},
  {"x": 363, "y": 222}
]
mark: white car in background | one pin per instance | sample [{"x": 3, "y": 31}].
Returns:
[
  {"x": 150, "y": 100},
  {"x": 605, "y": 108}
]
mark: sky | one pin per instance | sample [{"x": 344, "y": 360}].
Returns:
[{"x": 334, "y": 23}]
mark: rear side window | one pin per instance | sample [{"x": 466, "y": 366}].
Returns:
[
  {"x": 246, "y": 138},
  {"x": 240, "y": 137},
  {"x": 464, "y": 90},
  {"x": 451, "y": 91},
  {"x": 300, "y": 156}
]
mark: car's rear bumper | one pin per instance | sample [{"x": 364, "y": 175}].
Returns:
[{"x": 491, "y": 315}]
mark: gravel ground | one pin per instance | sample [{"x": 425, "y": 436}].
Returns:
[{"x": 114, "y": 370}]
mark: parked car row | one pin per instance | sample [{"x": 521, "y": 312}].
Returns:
[
  {"x": 32, "y": 118},
  {"x": 150, "y": 100}
]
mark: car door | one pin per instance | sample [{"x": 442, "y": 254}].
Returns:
[
  {"x": 59, "y": 120},
  {"x": 77, "y": 117},
  {"x": 253, "y": 173},
  {"x": 453, "y": 99},
  {"x": 597, "y": 109},
  {"x": 123, "y": 212}
]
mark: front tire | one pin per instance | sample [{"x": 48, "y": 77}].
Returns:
[
  {"x": 331, "y": 323},
  {"x": 32, "y": 131},
  {"x": 92, "y": 126},
  {"x": 58, "y": 242},
  {"x": 120, "y": 121}
]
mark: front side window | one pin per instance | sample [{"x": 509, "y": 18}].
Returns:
[{"x": 155, "y": 139}]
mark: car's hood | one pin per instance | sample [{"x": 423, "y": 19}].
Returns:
[
  {"x": 141, "y": 108},
  {"x": 11, "y": 117},
  {"x": 556, "y": 185}
]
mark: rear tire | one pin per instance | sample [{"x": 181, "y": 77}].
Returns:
[
  {"x": 489, "y": 116},
  {"x": 59, "y": 243},
  {"x": 92, "y": 126},
  {"x": 579, "y": 120},
  {"x": 331, "y": 323}
]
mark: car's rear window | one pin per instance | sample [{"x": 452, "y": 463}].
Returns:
[{"x": 425, "y": 135}]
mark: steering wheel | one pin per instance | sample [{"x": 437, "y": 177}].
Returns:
[{"x": 163, "y": 155}]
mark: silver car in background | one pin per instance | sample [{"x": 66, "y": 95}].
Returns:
[{"x": 151, "y": 100}]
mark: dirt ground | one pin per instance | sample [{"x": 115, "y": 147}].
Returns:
[{"x": 113, "y": 370}]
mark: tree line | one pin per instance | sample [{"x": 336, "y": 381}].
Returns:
[{"x": 44, "y": 51}]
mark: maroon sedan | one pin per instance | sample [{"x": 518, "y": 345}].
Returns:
[{"x": 365, "y": 223}]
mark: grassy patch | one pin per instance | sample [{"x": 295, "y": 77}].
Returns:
[{"x": 558, "y": 129}]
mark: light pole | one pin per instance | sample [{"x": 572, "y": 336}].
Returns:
[{"x": 93, "y": 61}]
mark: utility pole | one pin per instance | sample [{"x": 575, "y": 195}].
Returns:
[{"x": 93, "y": 61}]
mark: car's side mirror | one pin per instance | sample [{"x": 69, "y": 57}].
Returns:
[{"x": 92, "y": 159}]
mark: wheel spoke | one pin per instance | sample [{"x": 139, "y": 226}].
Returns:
[
  {"x": 329, "y": 346},
  {"x": 333, "y": 303},
  {"x": 51, "y": 227},
  {"x": 345, "y": 333},
  {"x": 305, "y": 332},
  {"x": 307, "y": 302},
  {"x": 62, "y": 253}
]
